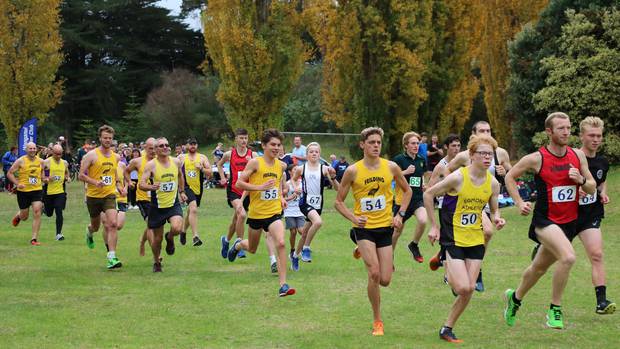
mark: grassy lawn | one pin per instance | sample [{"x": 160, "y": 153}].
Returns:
[{"x": 60, "y": 295}]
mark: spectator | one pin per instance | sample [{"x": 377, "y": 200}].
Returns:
[
  {"x": 83, "y": 150},
  {"x": 423, "y": 148},
  {"x": 7, "y": 161},
  {"x": 178, "y": 150},
  {"x": 333, "y": 160},
  {"x": 340, "y": 167},
  {"x": 299, "y": 151},
  {"x": 218, "y": 153},
  {"x": 288, "y": 160},
  {"x": 434, "y": 152},
  {"x": 133, "y": 176}
]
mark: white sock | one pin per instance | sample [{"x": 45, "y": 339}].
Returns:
[
  {"x": 111, "y": 254},
  {"x": 272, "y": 259},
  {"x": 306, "y": 247},
  {"x": 295, "y": 255},
  {"x": 225, "y": 239}
]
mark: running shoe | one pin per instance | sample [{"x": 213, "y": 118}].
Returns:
[
  {"x": 274, "y": 267},
  {"x": 157, "y": 267},
  {"x": 169, "y": 244},
  {"x": 605, "y": 307},
  {"x": 377, "y": 328},
  {"x": 306, "y": 255},
  {"x": 415, "y": 252},
  {"x": 183, "y": 238},
  {"x": 285, "y": 290},
  {"x": 225, "y": 246},
  {"x": 435, "y": 262},
  {"x": 114, "y": 263},
  {"x": 447, "y": 335},
  {"x": 196, "y": 241},
  {"x": 555, "y": 318},
  {"x": 295, "y": 263},
  {"x": 479, "y": 284},
  {"x": 60, "y": 237},
  {"x": 241, "y": 254},
  {"x": 535, "y": 250},
  {"x": 15, "y": 221},
  {"x": 356, "y": 253},
  {"x": 90, "y": 242},
  {"x": 34, "y": 242},
  {"x": 510, "y": 312},
  {"x": 233, "y": 252}
]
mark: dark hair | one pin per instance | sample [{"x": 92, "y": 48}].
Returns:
[
  {"x": 13, "y": 148},
  {"x": 474, "y": 128},
  {"x": 136, "y": 151},
  {"x": 451, "y": 138},
  {"x": 241, "y": 132},
  {"x": 270, "y": 133},
  {"x": 423, "y": 134}
]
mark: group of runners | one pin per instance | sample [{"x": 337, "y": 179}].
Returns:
[{"x": 571, "y": 186}]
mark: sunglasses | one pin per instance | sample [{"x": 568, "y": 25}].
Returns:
[{"x": 164, "y": 146}]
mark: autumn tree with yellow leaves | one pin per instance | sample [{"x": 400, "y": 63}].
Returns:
[
  {"x": 29, "y": 59},
  {"x": 257, "y": 51}
]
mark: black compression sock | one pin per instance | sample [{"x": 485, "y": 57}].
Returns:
[
  {"x": 601, "y": 293},
  {"x": 514, "y": 298}
]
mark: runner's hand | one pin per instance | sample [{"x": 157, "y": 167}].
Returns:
[
  {"x": 155, "y": 186},
  {"x": 604, "y": 199},
  {"x": 500, "y": 170},
  {"x": 499, "y": 223},
  {"x": 21, "y": 186},
  {"x": 575, "y": 175},
  {"x": 268, "y": 185},
  {"x": 100, "y": 184},
  {"x": 397, "y": 222},
  {"x": 284, "y": 203},
  {"x": 433, "y": 235},
  {"x": 223, "y": 182},
  {"x": 409, "y": 170},
  {"x": 183, "y": 197},
  {"x": 360, "y": 221},
  {"x": 525, "y": 208},
  {"x": 123, "y": 191}
]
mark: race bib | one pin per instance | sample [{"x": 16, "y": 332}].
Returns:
[
  {"x": 191, "y": 174},
  {"x": 55, "y": 178},
  {"x": 315, "y": 201},
  {"x": 107, "y": 180},
  {"x": 269, "y": 194},
  {"x": 33, "y": 180},
  {"x": 566, "y": 193},
  {"x": 588, "y": 199},
  {"x": 415, "y": 182},
  {"x": 468, "y": 219},
  {"x": 373, "y": 204},
  {"x": 168, "y": 187}
]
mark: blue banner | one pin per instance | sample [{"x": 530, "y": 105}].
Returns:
[{"x": 28, "y": 133}]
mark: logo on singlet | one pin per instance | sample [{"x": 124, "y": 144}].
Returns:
[
  {"x": 373, "y": 191},
  {"x": 599, "y": 174}
]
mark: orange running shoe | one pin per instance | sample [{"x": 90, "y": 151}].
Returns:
[
  {"x": 377, "y": 328},
  {"x": 15, "y": 221},
  {"x": 434, "y": 263},
  {"x": 34, "y": 242},
  {"x": 356, "y": 253}
]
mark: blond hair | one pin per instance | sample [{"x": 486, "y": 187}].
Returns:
[
  {"x": 105, "y": 128},
  {"x": 592, "y": 122},
  {"x": 553, "y": 116},
  {"x": 369, "y": 131},
  {"x": 407, "y": 136},
  {"x": 476, "y": 141},
  {"x": 313, "y": 144}
]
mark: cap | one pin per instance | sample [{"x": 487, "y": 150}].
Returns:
[{"x": 191, "y": 140}]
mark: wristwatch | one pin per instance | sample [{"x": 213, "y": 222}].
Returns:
[{"x": 402, "y": 213}]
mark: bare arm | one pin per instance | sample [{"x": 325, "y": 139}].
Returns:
[
  {"x": 206, "y": 166},
  {"x": 132, "y": 166},
  {"x": 181, "y": 177},
  {"x": 451, "y": 182},
  {"x": 87, "y": 160},
  {"x": 347, "y": 179},
  {"x": 67, "y": 175},
  {"x": 243, "y": 182},
  {"x": 297, "y": 172},
  {"x": 121, "y": 186},
  {"x": 461, "y": 159},
  {"x": 46, "y": 165},
  {"x": 331, "y": 176},
  {"x": 584, "y": 172},
  {"x": 495, "y": 214},
  {"x": 149, "y": 168},
  {"x": 437, "y": 175},
  {"x": 12, "y": 170},
  {"x": 531, "y": 162},
  {"x": 220, "y": 167},
  {"x": 401, "y": 183}
]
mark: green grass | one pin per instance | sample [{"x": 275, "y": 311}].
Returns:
[{"x": 60, "y": 295}]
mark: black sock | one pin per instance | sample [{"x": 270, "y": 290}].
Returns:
[
  {"x": 59, "y": 221},
  {"x": 552, "y": 306},
  {"x": 515, "y": 300},
  {"x": 107, "y": 247},
  {"x": 601, "y": 293}
]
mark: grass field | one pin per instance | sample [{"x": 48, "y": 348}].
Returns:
[{"x": 60, "y": 295}]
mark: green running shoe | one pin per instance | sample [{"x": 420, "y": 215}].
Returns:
[
  {"x": 510, "y": 313},
  {"x": 554, "y": 318},
  {"x": 90, "y": 242},
  {"x": 114, "y": 263}
]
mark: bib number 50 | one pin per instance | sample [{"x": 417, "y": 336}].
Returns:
[{"x": 469, "y": 219}]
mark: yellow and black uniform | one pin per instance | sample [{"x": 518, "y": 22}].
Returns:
[
  {"x": 372, "y": 193},
  {"x": 55, "y": 196},
  {"x": 193, "y": 178},
  {"x": 165, "y": 200},
  {"x": 415, "y": 181},
  {"x": 265, "y": 206},
  {"x": 461, "y": 232},
  {"x": 121, "y": 201},
  {"x": 143, "y": 198},
  {"x": 29, "y": 175},
  {"x": 101, "y": 199}
]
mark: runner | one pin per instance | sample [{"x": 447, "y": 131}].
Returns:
[
  {"x": 371, "y": 182},
  {"x": 238, "y": 158},
  {"x": 262, "y": 178},
  {"x": 195, "y": 168},
  {"x": 591, "y": 211},
  {"x": 56, "y": 173},
  {"x": 314, "y": 178},
  {"x": 166, "y": 176},
  {"x": 293, "y": 218},
  {"x": 143, "y": 198},
  {"x": 500, "y": 165},
  {"x": 121, "y": 201},
  {"x": 98, "y": 170},
  {"x": 413, "y": 167},
  {"x": 467, "y": 191},
  {"x": 29, "y": 189},
  {"x": 560, "y": 172}
]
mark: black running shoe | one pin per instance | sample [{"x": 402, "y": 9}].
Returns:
[
  {"x": 196, "y": 241},
  {"x": 156, "y": 267},
  {"x": 169, "y": 244},
  {"x": 447, "y": 335},
  {"x": 274, "y": 267},
  {"x": 183, "y": 238},
  {"x": 606, "y": 307},
  {"x": 479, "y": 284},
  {"x": 415, "y": 252}
]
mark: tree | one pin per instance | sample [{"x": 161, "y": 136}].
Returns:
[
  {"x": 29, "y": 58},
  {"x": 257, "y": 52},
  {"x": 376, "y": 56},
  {"x": 584, "y": 78}
]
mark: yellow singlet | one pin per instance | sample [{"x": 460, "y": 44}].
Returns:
[
  {"x": 104, "y": 169},
  {"x": 168, "y": 179},
  {"x": 121, "y": 177},
  {"x": 192, "y": 174},
  {"x": 266, "y": 203},
  {"x": 372, "y": 191},
  {"x": 142, "y": 195},
  {"x": 462, "y": 213},
  {"x": 56, "y": 184},
  {"x": 30, "y": 174}
]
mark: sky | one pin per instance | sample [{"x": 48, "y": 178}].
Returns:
[{"x": 175, "y": 5}]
